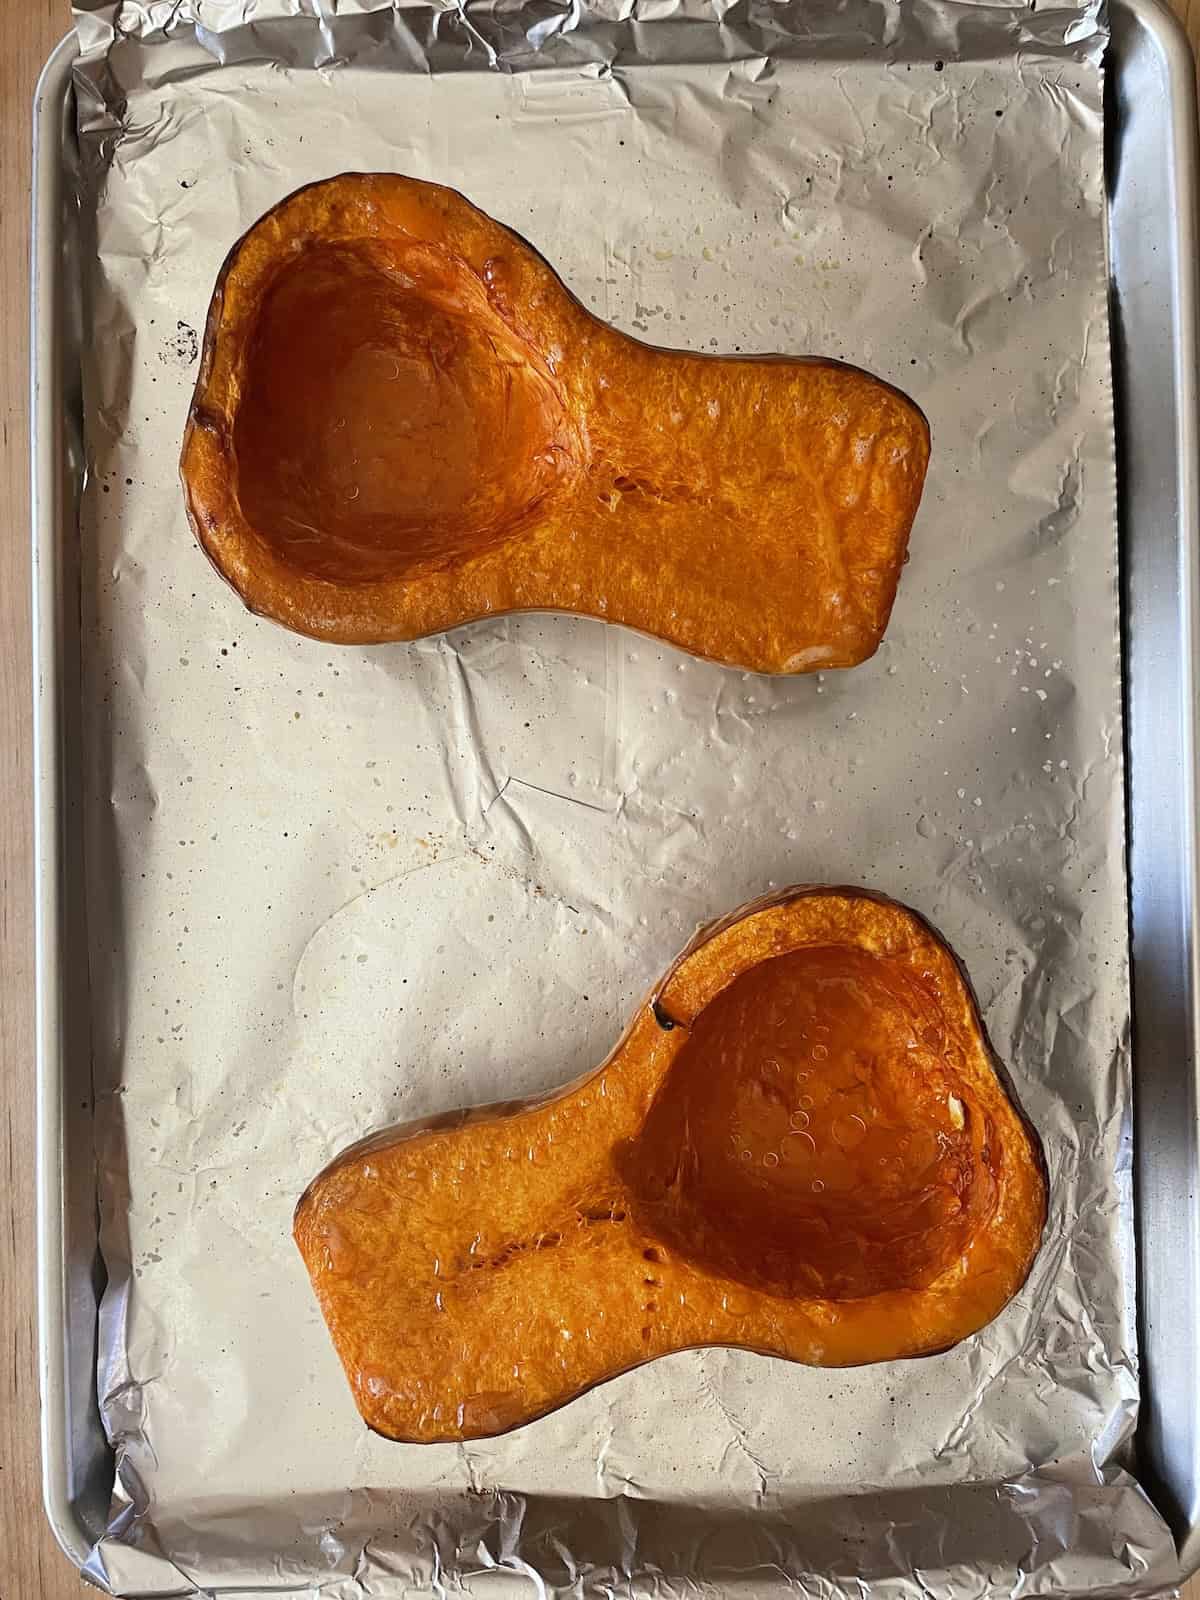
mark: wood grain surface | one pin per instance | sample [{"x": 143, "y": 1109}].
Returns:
[{"x": 31, "y": 1567}]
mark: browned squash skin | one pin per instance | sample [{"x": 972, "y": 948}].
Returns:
[
  {"x": 404, "y": 421},
  {"x": 802, "y": 1146}
]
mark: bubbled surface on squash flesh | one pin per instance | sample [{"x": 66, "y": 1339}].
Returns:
[{"x": 812, "y": 1136}]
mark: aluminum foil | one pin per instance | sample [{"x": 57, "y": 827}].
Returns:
[{"x": 332, "y": 889}]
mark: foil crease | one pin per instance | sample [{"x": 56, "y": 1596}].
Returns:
[{"x": 332, "y": 889}]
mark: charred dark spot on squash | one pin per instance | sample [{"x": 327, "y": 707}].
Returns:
[{"x": 663, "y": 1017}]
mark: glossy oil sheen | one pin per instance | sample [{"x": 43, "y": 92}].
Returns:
[
  {"x": 809, "y": 1139},
  {"x": 801, "y": 1147},
  {"x": 390, "y": 419},
  {"x": 404, "y": 420}
]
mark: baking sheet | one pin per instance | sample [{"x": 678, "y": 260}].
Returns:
[{"x": 332, "y": 888}]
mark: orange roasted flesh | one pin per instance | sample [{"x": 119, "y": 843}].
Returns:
[
  {"x": 801, "y": 1146},
  {"x": 404, "y": 421}
]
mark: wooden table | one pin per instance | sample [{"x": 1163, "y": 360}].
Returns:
[{"x": 31, "y": 1567}]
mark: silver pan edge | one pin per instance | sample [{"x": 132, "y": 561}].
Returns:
[{"x": 1152, "y": 174}]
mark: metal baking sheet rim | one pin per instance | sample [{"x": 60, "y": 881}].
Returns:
[{"x": 1162, "y": 684}]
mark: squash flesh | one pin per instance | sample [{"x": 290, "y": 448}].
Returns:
[
  {"x": 483, "y": 1270},
  {"x": 390, "y": 419},
  {"x": 808, "y": 1138},
  {"x": 403, "y": 421}
]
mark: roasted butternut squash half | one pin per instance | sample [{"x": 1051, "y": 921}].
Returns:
[
  {"x": 802, "y": 1146},
  {"x": 404, "y": 421}
]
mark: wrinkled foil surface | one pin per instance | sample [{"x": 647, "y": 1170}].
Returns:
[{"x": 329, "y": 889}]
